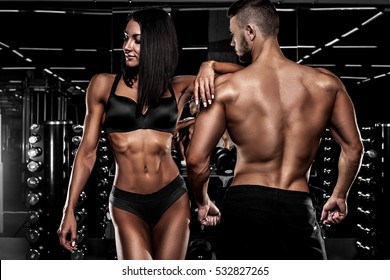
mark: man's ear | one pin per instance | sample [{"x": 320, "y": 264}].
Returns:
[{"x": 250, "y": 31}]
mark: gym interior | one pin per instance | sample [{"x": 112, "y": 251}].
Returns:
[{"x": 49, "y": 50}]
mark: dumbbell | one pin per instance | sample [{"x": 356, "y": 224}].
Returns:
[
  {"x": 176, "y": 157},
  {"x": 225, "y": 161},
  {"x": 233, "y": 150},
  {"x": 79, "y": 254},
  {"x": 199, "y": 249}
]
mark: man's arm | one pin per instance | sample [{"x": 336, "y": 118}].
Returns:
[
  {"x": 345, "y": 131},
  {"x": 209, "y": 128}
]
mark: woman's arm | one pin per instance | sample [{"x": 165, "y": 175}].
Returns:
[
  {"x": 222, "y": 67},
  {"x": 204, "y": 81},
  {"x": 84, "y": 160},
  {"x": 202, "y": 85}
]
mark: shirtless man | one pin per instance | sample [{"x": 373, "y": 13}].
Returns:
[{"x": 275, "y": 111}]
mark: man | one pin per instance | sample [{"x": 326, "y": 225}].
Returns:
[{"x": 275, "y": 111}]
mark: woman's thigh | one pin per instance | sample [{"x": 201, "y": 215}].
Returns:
[
  {"x": 132, "y": 235},
  {"x": 171, "y": 234}
]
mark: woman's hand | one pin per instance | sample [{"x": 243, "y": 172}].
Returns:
[
  {"x": 204, "y": 83},
  {"x": 68, "y": 226}
]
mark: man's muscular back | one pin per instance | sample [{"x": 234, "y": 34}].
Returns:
[{"x": 276, "y": 114}]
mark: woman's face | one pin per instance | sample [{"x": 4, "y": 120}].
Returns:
[{"x": 132, "y": 43}]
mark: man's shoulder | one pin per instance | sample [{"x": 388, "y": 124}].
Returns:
[
  {"x": 226, "y": 86},
  {"x": 230, "y": 78},
  {"x": 322, "y": 78},
  {"x": 225, "y": 81},
  {"x": 320, "y": 72},
  {"x": 326, "y": 76}
]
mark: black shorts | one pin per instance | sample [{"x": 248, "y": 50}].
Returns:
[
  {"x": 260, "y": 222},
  {"x": 149, "y": 207}
]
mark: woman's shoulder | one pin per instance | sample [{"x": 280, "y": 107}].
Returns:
[
  {"x": 103, "y": 78},
  {"x": 100, "y": 85}
]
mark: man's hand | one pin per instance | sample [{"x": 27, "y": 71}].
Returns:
[
  {"x": 334, "y": 211},
  {"x": 209, "y": 215}
]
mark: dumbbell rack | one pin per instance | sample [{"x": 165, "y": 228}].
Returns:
[
  {"x": 48, "y": 173},
  {"x": 367, "y": 210},
  {"x": 58, "y": 142},
  {"x": 373, "y": 195}
]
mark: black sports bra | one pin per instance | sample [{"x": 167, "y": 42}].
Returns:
[{"x": 121, "y": 113}]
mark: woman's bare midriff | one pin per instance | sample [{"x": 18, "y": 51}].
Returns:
[{"x": 144, "y": 163}]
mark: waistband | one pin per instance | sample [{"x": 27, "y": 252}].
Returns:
[
  {"x": 174, "y": 184},
  {"x": 268, "y": 190}
]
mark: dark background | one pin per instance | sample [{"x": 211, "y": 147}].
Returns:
[{"x": 49, "y": 50}]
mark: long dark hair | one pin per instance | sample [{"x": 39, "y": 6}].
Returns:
[{"x": 159, "y": 55}]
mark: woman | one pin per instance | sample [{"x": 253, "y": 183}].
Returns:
[
  {"x": 184, "y": 130},
  {"x": 139, "y": 109}
]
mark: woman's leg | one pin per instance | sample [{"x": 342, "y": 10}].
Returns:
[
  {"x": 132, "y": 236},
  {"x": 171, "y": 233}
]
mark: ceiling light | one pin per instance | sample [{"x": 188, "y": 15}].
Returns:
[
  {"x": 4, "y": 45},
  {"x": 41, "y": 49},
  {"x": 49, "y": 11},
  {"x": 342, "y": 8},
  {"x": 355, "y": 47},
  {"x": 194, "y": 48},
  {"x": 86, "y": 50},
  {"x": 332, "y": 42},
  {"x": 17, "y": 53},
  {"x": 379, "y": 76},
  {"x": 321, "y": 65},
  {"x": 350, "y": 32},
  {"x": 47, "y": 71},
  {"x": 9, "y": 11},
  {"x": 67, "y": 68},
  {"x": 18, "y": 68},
  {"x": 371, "y": 19},
  {"x": 80, "y": 81},
  {"x": 353, "y": 78},
  {"x": 316, "y": 51}
]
